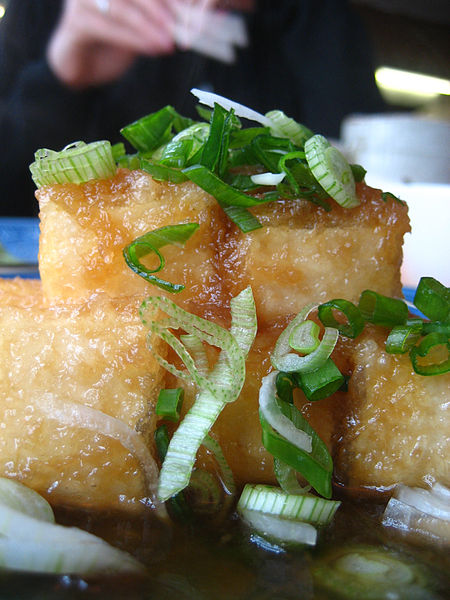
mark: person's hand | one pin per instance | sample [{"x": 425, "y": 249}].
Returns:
[{"x": 96, "y": 41}]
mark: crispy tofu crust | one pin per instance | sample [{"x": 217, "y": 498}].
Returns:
[
  {"x": 78, "y": 336},
  {"x": 302, "y": 253},
  {"x": 92, "y": 353},
  {"x": 396, "y": 422}
]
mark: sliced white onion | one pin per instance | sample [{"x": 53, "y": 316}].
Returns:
[
  {"x": 209, "y": 99},
  {"x": 268, "y": 178},
  {"x": 275, "y": 417},
  {"x": 79, "y": 415}
]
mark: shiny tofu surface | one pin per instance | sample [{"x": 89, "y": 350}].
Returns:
[
  {"x": 396, "y": 426},
  {"x": 301, "y": 254},
  {"x": 92, "y": 354}
]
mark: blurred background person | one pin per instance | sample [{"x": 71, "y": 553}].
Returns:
[{"x": 82, "y": 69}]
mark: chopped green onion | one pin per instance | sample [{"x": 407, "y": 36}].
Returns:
[
  {"x": 226, "y": 473},
  {"x": 331, "y": 170},
  {"x": 215, "y": 149},
  {"x": 305, "y": 337},
  {"x": 284, "y": 126},
  {"x": 184, "y": 146},
  {"x": 224, "y": 193},
  {"x": 403, "y": 337},
  {"x": 385, "y": 196},
  {"x": 151, "y": 242},
  {"x": 433, "y": 299},
  {"x": 241, "y": 217},
  {"x": 322, "y": 382},
  {"x": 177, "y": 507},
  {"x": 162, "y": 172},
  {"x": 274, "y": 501},
  {"x": 359, "y": 172},
  {"x": 382, "y": 310},
  {"x": 430, "y": 341},
  {"x": 315, "y": 466},
  {"x": 369, "y": 573},
  {"x": 118, "y": 151},
  {"x": 269, "y": 149},
  {"x": 150, "y": 132},
  {"x": 223, "y": 384},
  {"x": 284, "y": 360},
  {"x": 429, "y": 327},
  {"x": 272, "y": 414},
  {"x": 355, "y": 321},
  {"x": 285, "y": 384},
  {"x": 287, "y": 478},
  {"x": 169, "y": 403},
  {"x": 76, "y": 163}
]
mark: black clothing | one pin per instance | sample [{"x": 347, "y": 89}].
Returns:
[{"x": 305, "y": 57}]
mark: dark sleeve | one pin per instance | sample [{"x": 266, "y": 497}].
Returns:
[
  {"x": 320, "y": 64},
  {"x": 36, "y": 110}
]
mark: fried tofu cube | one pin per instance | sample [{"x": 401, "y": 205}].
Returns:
[
  {"x": 397, "y": 422},
  {"x": 305, "y": 254},
  {"x": 84, "y": 229},
  {"x": 92, "y": 354}
]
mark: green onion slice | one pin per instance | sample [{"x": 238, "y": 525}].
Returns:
[
  {"x": 433, "y": 299},
  {"x": 226, "y": 473},
  {"x": 169, "y": 403},
  {"x": 305, "y": 337},
  {"x": 210, "y": 99},
  {"x": 355, "y": 320},
  {"x": 274, "y": 501},
  {"x": 284, "y": 126},
  {"x": 151, "y": 242},
  {"x": 432, "y": 340},
  {"x": 150, "y": 132},
  {"x": 17, "y": 496},
  {"x": 273, "y": 415},
  {"x": 161, "y": 172},
  {"x": 315, "y": 466},
  {"x": 223, "y": 383},
  {"x": 322, "y": 382},
  {"x": 279, "y": 530},
  {"x": 184, "y": 145},
  {"x": 331, "y": 170},
  {"x": 285, "y": 360},
  {"x": 287, "y": 478},
  {"x": 403, "y": 337},
  {"x": 76, "y": 163},
  {"x": 382, "y": 310}
]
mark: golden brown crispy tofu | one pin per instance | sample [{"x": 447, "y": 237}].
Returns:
[
  {"x": 302, "y": 253},
  {"x": 92, "y": 354},
  {"x": 396, "y": 423},
  {"x": 84, "y": 229}
]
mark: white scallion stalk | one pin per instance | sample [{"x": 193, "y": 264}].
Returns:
[
  {"x": 78, "y": 415},
  {"x": 31, "y": 541},
  {"x": 76, "y": 163},
  {"x": 276, "y": 502},
  {"x": 223, "y": 384},
  {"x": 276, "y": 419},
  {"x": 331, "y": 170},
  {"x": 209, "y": 99},
  {"x": 17, "y": 496},
  {"x": 284, "y": 360},
  {"x": 268, "y": 178},
  {"x": 420, "y": 511},
  {"x": 282, "y": 531}
]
